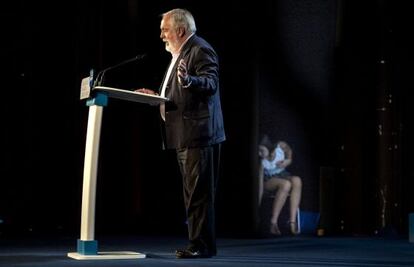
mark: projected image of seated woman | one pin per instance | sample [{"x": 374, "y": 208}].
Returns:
[{"x": 274, "y": 178}]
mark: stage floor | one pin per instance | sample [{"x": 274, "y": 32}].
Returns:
[{"x": 159, "y": 251}]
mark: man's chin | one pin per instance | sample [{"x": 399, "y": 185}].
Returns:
[{"x": 167, "y": 47}]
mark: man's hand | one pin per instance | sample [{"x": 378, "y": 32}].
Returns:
[
  {"x": 182, "y": 74},
  {"x": 146, "y": 91}
]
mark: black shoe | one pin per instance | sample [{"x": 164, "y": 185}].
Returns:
[{"x": 192, "y": 254}]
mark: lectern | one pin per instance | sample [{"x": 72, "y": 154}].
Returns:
[{"x": 87, "y": 246}]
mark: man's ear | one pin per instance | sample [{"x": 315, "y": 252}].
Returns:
[{"x": 181, "y": 31}]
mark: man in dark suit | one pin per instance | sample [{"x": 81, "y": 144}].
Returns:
[{"x": 193, "y": 125}]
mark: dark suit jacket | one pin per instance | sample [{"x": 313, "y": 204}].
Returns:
[{"x": 193, "y": 116}]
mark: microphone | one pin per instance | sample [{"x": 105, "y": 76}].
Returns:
[{"x": 100, "y": 77}]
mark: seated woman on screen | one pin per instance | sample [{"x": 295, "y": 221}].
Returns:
[{"x": 274, "y": 159}]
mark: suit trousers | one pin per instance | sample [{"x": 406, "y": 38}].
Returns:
[{"x": 199, "y": 168}]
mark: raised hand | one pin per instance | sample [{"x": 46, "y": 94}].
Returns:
[{"x": 182, "y": 74}]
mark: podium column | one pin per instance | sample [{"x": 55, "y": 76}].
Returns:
[{"x": 87, "y": 246}]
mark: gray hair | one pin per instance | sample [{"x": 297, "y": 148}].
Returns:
[{"x": 182, "y": 18}]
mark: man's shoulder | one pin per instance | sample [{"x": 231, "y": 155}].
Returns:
[{"x": 199, "y": 42}]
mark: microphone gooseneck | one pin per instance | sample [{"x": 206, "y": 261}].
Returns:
[{"x": 100, "y": 77}]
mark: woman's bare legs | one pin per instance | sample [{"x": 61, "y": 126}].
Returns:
[
  {"x": 282, "y": 187},
  {"x": 295, "y": 197}
]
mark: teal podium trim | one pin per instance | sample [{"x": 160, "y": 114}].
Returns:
[
  {"x": 89, "y": 247},
  {"x": 100, "y": 99}
]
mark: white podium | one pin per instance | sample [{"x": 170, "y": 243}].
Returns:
[{"x": 87, "y": 246}]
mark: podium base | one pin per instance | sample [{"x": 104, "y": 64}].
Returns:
[{"x": 110, "y": 255}]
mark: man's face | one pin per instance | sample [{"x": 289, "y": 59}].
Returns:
[{"x": 169, "y": 35}]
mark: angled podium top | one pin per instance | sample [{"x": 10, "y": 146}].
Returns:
[{"x": 130, "y": 95}]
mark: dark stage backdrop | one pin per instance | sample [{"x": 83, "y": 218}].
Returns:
[
  {"x": 302, "y": 71},
  {"x": 294, "y": 87}
]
